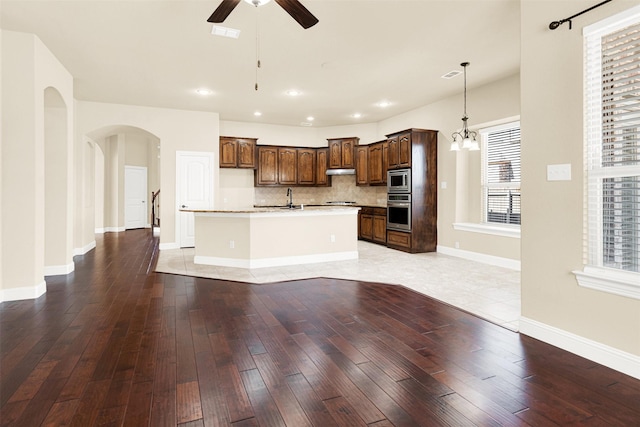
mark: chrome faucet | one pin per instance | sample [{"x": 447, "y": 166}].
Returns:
[{"x": 290, "y": 196}]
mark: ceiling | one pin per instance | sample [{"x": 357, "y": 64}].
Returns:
[{"x": 157, "y": 53}]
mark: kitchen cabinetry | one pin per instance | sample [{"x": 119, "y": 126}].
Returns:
[
  {"x": 422, "y": 153},
  {"x": 322, "y": 157},
  {"x": 362, "y": 165},
  {"x": 373, "y": 224},
  {"x": 306, "y": 166},
  {"x": 287, "y": 166},
  {"x": 267, "y": 172},
  {"x": 237, "y": 152},
  {"x": 399, "y": 150},
  {"x": 342, "y": 152},
  {"x": 377, "y": 170}
]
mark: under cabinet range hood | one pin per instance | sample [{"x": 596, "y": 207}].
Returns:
[{"x": 341, "y": 171}]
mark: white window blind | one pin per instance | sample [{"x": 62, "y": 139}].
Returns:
[
  {"x": 501, "y": 173},
  {"x": 612, "y": 84}
]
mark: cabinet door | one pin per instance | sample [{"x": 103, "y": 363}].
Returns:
[
  {"x": 394, "y": 152},
  {"x": 366, "y": 226},
  {"x": 348, "y": 153},
  {"x": 267, "y": 173},
  {"x": 322, "y": 178},
  {"x": 385, "y": 161},
  {"x": 246, "y": 154},
  {"x": 335, "y": 154},
  {"x": 362, "y": 160},
  {"x": 228, "y": 152},
  {"x": 380, "y": 228},
  {"x": 306, "y": 166},
  {"x": 287, "y": 166},
  {"x": 404, "y": 150},
  {"x": 375, "y": 163}
]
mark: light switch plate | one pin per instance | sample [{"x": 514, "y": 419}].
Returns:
[{"x": 559, "y": 172}]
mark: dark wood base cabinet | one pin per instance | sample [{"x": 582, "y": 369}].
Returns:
[{"x": 372, "y": 224}]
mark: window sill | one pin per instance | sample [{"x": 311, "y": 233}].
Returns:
[
  {"x": 623, "y": 283},
  {"x": 496, "y": 230}
]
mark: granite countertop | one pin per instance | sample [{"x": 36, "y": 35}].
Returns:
[{"x": 275, "y": 209}]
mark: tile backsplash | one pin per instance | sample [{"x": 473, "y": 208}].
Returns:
[{"x": 343, "y": 188}]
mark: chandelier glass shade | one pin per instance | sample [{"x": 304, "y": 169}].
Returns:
[{"x": 466, "y": 137}]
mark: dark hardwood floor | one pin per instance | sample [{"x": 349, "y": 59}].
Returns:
[{"x": 115, "y": 344}]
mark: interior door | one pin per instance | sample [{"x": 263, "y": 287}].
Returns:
[
  {"x": 194, "y": 190},
  {"x": 135, "y": 197}
]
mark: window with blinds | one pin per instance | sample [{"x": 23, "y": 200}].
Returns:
[
  {"x": 612, "y": 73},
  {"x": 501, "y": 173}
]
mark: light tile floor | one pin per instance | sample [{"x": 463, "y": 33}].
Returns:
[{"x": 487, "y": 291}]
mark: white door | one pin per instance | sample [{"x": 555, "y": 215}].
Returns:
[
  {"x": 135, "y": 197},
  {"x": 194, "y": 190}
]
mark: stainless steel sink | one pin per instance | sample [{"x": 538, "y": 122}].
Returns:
[{"x": 291, "y": 207}]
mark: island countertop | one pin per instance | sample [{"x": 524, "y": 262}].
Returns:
[{"x": 298, "y": 209}]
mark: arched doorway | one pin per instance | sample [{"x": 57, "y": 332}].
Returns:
[{"x": 58, "y": 233}]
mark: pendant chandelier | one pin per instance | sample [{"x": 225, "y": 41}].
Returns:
[{"x": 467, "y": 137}]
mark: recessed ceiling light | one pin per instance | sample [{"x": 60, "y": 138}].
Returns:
[
  {"x": 204, "y": 91},
  {"x": 257, "y": 114},
  {"x": 259, "y": 2},
  {"x": 218, "y": 30},
  {"x": 310, "y": 119},
  {"x": 293, "y": 92},
  {"x": 383, "y": 104},
  {"x": 356, "y": 115}
]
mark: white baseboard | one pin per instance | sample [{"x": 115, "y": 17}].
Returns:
[
  {"x": 99, "y": 230},
  {"x": 26, "y": 292},
  {"x": 509, "y": 263},
  {"x": 610, "y": 357},
  {"x": 86, "y": 248},
  {"x": 56, "y": 270},
  {"x": 275, "y": 262},
  {"x": 114, "y": 229},
  {"x": 167, "y": 246}
]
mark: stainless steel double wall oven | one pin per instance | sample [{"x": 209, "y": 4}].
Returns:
[{"x": 399, "y": 199}]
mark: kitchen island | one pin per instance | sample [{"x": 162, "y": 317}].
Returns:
[{"x": 275, "y": 236}]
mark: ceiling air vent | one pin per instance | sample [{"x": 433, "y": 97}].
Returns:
[{"x": 452, "y": 74}]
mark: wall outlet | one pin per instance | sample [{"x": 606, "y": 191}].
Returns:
[
  {"x": 457, "y": 245},
  {"x": 232, "y": 244},
  {"x": 443, "y": 185},
  {"x": 332, "y": 238}
]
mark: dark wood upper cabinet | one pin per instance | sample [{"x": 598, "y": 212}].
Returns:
[
  {"x": 362, "y": 165},
  {"x": 306, "y": 166},
  {"x": 322, "y": 158},
  {"x": 237, "y": 152},
  {"x": 267, "y": 172},
  {"x": 399, "y": 150},
  {"x": 342, "y": 152},
  {"x": 287, "y": 165},
  {"x": 378, "y": 163}
]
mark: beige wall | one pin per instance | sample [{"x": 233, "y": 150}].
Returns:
[
  {"x": 552, "y": 230},
  {"x": 176, "y": 130},
  {"x": 28, "y": 70}
]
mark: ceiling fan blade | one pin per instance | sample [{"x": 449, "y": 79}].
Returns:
[
  {"x": 298, "y": 12},
  {"x": 221, "y": 13}
]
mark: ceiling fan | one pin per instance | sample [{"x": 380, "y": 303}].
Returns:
[{"x": 292, "y": 7}]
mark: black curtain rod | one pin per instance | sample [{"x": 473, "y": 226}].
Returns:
[{"x": 556, "y": 24}]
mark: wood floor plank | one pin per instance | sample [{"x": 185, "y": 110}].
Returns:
[{"x": 117, "y": 344}]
